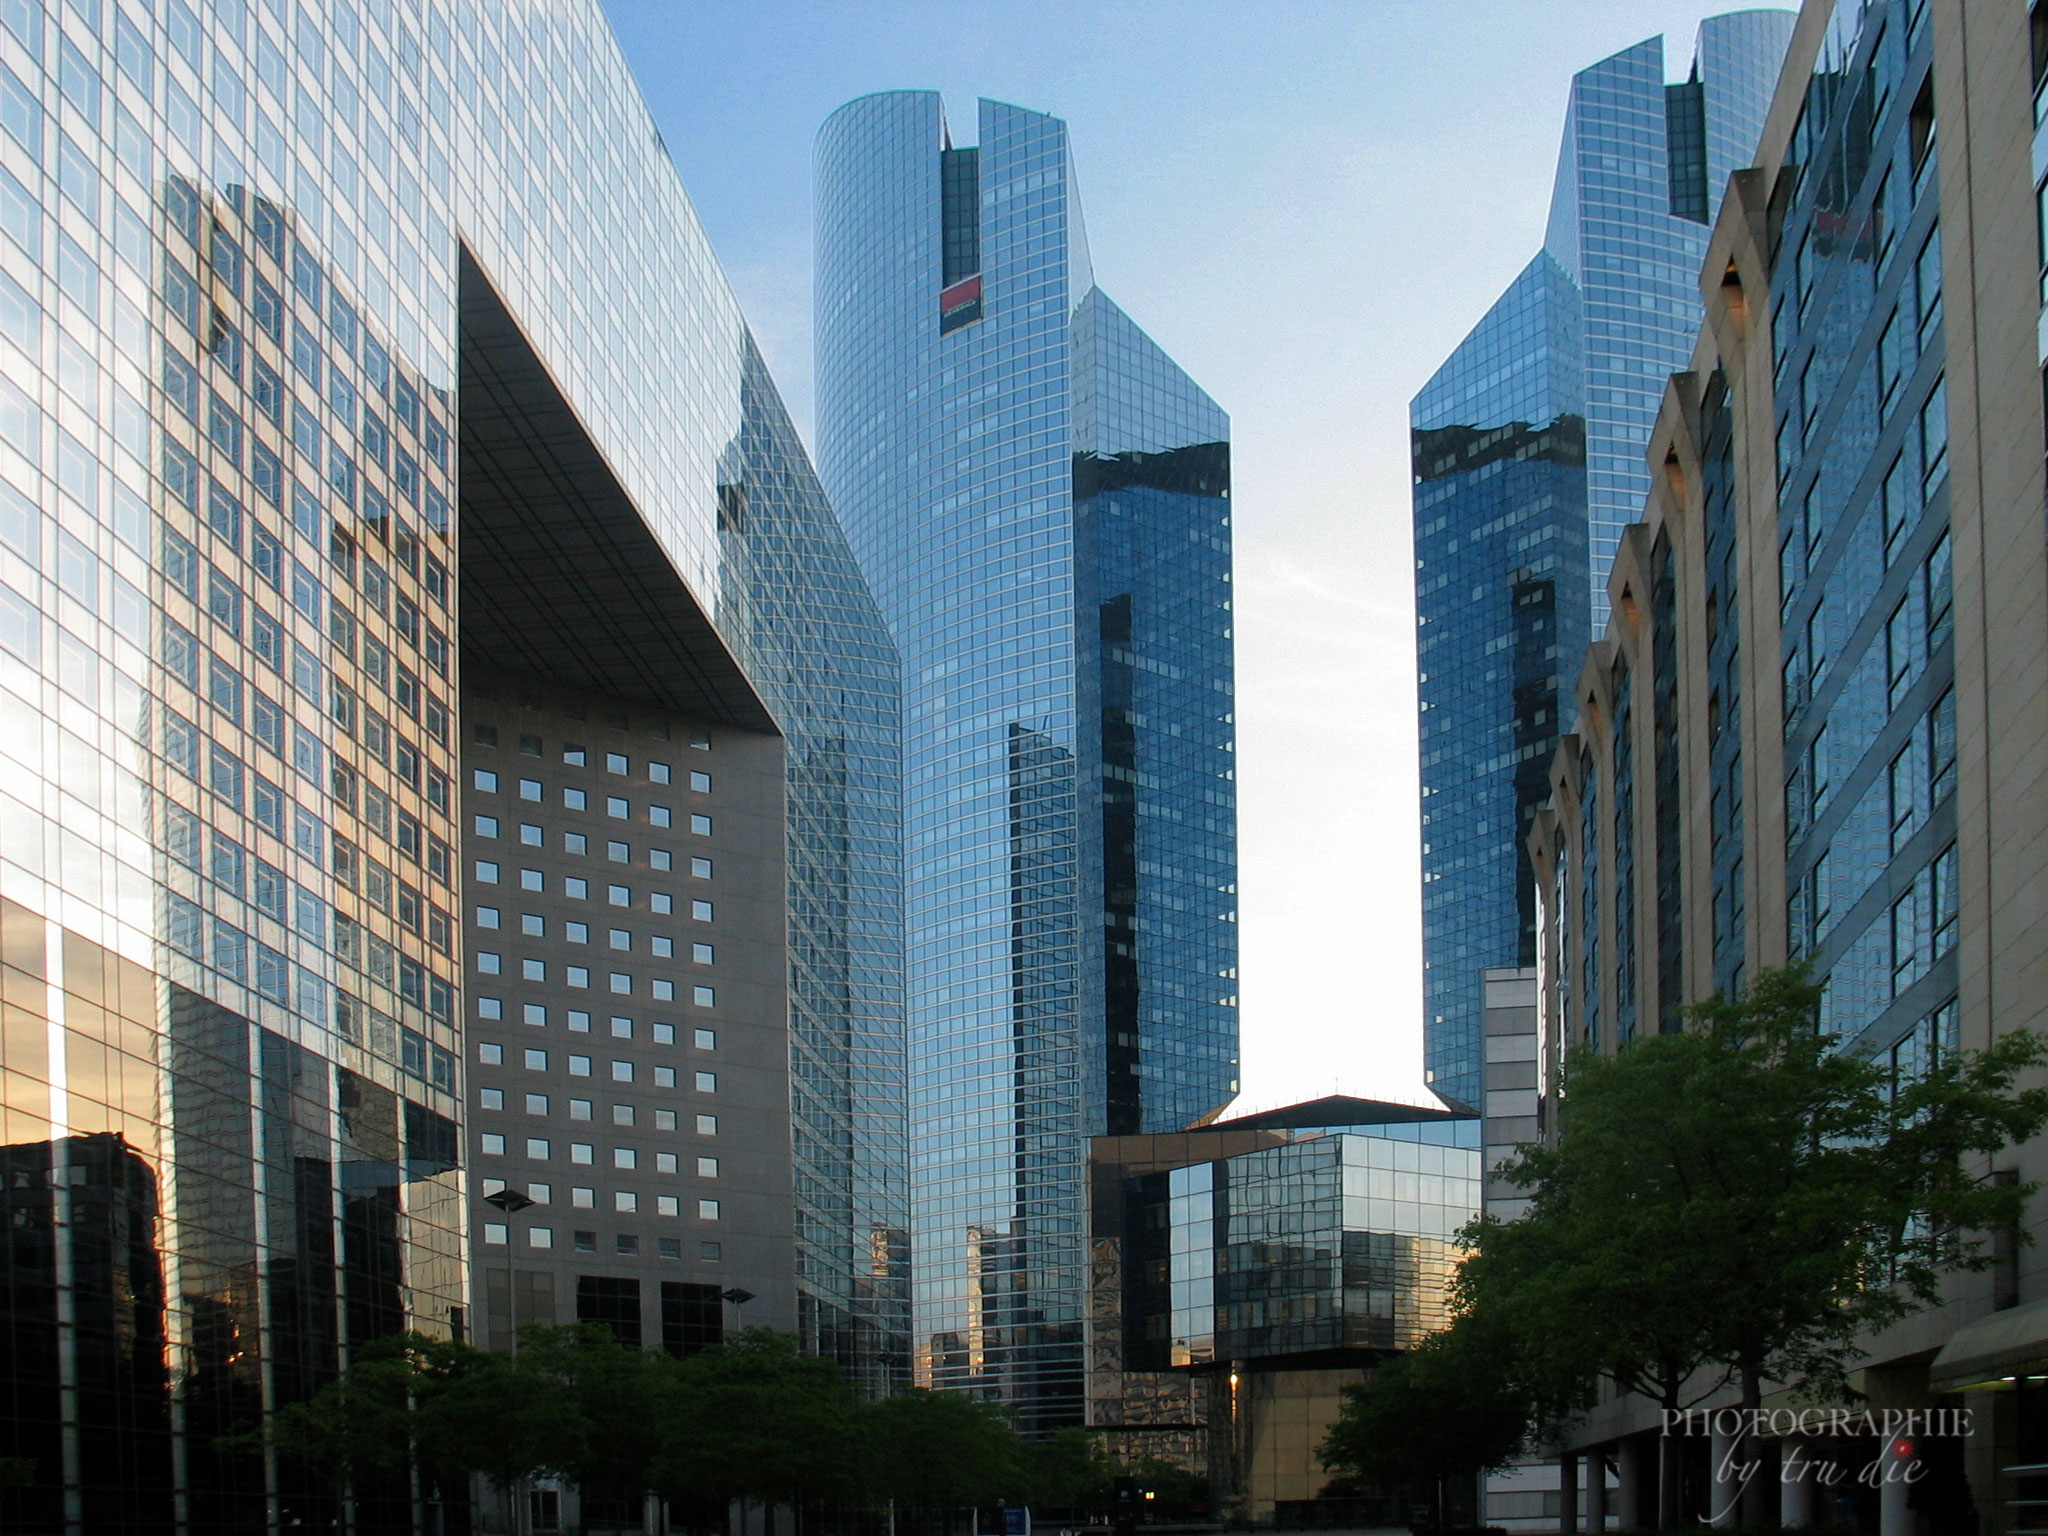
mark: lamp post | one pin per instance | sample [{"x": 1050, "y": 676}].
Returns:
[{"x": 510, "y": 1202}]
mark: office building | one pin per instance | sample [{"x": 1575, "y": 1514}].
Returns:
[
  {"x": 1039, "y": 499},
  {"x": 1247, "y": 1271},
  {"x": 1528, "y": 460},
  {"x": 1814, "y": 727},
  {"x": 344, "y": 346}
]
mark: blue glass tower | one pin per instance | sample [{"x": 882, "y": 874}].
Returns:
[
  {"x": 1529, "y": 445},
  {"x": 1039, "y": 498}
]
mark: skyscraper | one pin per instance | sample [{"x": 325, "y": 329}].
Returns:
[
  {"x": 1039, "y": 498},
  {"x": 254, "y": 542},
  {"x": 1528, "y": 461}
]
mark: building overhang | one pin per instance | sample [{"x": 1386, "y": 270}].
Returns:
[{"x": 1994, "y": 1352}]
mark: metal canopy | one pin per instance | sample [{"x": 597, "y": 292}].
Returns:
[{"x": 561, "y": 578}]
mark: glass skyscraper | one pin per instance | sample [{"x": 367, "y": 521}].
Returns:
[
  {"x": 1039, "y": 498},
  {"x": 248, "y": 253},
  {"x": 1528, "y": 460}
]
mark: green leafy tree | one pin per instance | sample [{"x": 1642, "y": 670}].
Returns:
[
  {"x": 1068, "y": 1470},
  {"x": 1449, "y": 1409},
  {"x": 757, "y": 1419},
  {"x": 1747, "y": 1199},
  {"x": 942, "y": 1451}
]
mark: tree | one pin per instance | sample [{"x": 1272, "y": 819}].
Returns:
[
  {"x": 1451, "y": 1408},
  {"x": 941, "y": 1451},
  {"x": 1748, "y": 1197},
  {"x": 757, "y": 1419},
  {"x": 1068, "y": 1470}
]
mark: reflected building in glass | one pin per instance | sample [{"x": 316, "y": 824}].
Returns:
[
  {"x": 319, "y": 323},
  {"x": 1039, "y": 499},
  {"x": 1528, "y": 460}
]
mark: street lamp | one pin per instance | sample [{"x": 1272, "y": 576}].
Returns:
[{"x": 510, "y": 1202}]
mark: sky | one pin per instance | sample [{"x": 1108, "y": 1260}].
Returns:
[{"x": 1308, "y": 205}]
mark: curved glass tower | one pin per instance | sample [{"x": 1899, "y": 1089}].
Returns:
[
  {"x": 1039, "y": 499},
  {"x": 1528, "y": 446}
]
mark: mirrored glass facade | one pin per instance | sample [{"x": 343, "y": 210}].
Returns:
[
  {"x": 1039, "y": 499},
  {"x": 234, "y": 259},
  {"x": 1528, "y": 447}
]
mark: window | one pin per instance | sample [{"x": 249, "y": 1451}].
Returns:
[
  {"x": 619, "y": 895},
  {"x": 700, "y": 954},
  {"x": 658, "y": 772},
  {"x": 533, "y": 970},
  {"x": 529, "y": 789},
  {"x": 707, "y": 1125},
  {"x": 705, "y": 1040},
  {"x": 700, "y": 869},
  {"x": 615, "y": 762},
  {"x": 575, "y": 800},
  {"x": 623, "y": 1114},
  {"x": 707, "y": 1210},
  {"x": 490, "y": 1098},
  {"x": 625, "y": 1157},
  {"x": 701, "y": 997},
  {"x": 487, "y": 917},
  {"x": 622, "y": 1028},
  {"x": 579, "y": 1109},
  {"x": 616, "y": 808},
  {"x": 660, "y": 902},
  {"x": 575, "y": 887},
  {"x": 538, "y": 1148},
  {"x": 536, "y": 1103},
  {"x": 626, "y": 1201},
  {"x": 669, "y": 1205},
  {"x": 582, "y": 1153},
  {"x": 493, "y": 1144},
  {"x": 707, "y": 1167},
  {"x": 701, "y": 911},
  {"x": 700, "y": 826},
  {"x": 487, "y": 963},
  {"x": 536, "y": 1060},
  {"x": 540, "y": 1237},
  {"x": 707, "y": 1082},
  {"x": 664, "y": 1119},
  {"x": 622, "y": 1071},
  {"x": 664, "y": 1034},
  {"x": 532, "y": 880},
  {"x": 575, "y": 842},
  {"x": 700, "y": 784},
  {"x": 622, "y": 938},
  {"x": 664, "y": 1077},
  {"x": 487, "y": 872},
  {"x": 579, "y": 1066},
  {"x": 533, "y": 925},
  {"x": 487, "y": 826},
  {"x": 618, "y": 853},
  {"x": 579, "y": 1021}
]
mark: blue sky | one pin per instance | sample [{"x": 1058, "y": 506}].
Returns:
[{"x": 1307, "y": 205}]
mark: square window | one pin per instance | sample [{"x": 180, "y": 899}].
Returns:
[
  {"x": 579, "y": 1022},
  {"x": 579, "y": 1109},
  {"x": 615, "y": 762},
  {"x": 583, "y": 1199},
  {"x": 668, "y": 1205},
  {"x": 536, "y": 1103},
  {"x": 536, "y": 1060},
  {"x": 707, "y": 1167},
  {"x": 709, "y": 1251},
  {"x": 487, "y": 826},
  {"x": 533, "y": 970},
  {"x": 700, "y": 783},
  {"x": 707, "y": 1082},
  {"x": 700, "y": 826},
  {"x": 486, "y": 872},
  {"x": 533, "y": 924},
  {"x": 622, "y": 984},
  {"x": 579, "y": 976},
  {"x": 575, "y": 800},
  {"x": 701, "y": 868},
  {"x": 490, "y": 1098},
  {"x": 664, "y": 1077},
  {"x": 531, "y": 835},
  {"x": 575, "y": 842},
  {"x": 578, "y": 933},
  {"x": 537, "y": 1148},
  {"x": 700, "y": 954},
  {"x": 490, "y": 1053},
  {"x": 540, "y": 1237},
  {"x": 532, "y": 880},
  {"x": 622, "y": 1114},
  {"x": 658, "y": 772},
  {"x": 530, "y": 789},
  {"x": 707, "y": 1210},
  {"x": 493, "y": 1144},
  {"x": 571, "y": 753},
  {"x": 622, "y": 1027},
  {"x": 622, "y": 1071},
  {"x": 704, "y": 1039},
  {"x": 621, "y": 938},
  {"x": 701, "y": 911},
  {"x": 625, "y": 1157},
  {"x": 664, "y": 1119},
  {"x": 535, "y": 1014},
  {"x": 671, "y": 1247},
  {"x": 660, "y": 903},
  {"x": 707, "y": 1125},
  {"x": 616, "y": 807},
  {"x": 585, "y": 1242},
  {"x": 661, "y": 816},
  {"x": 658, "y": 858},
  {"x": 575, "y": 889},
  {"x": 625, "y": 1201},
  {"x": 664, "y": 991},
  {"x": 701, "y": 997},
  {"x": 494, "y": 1233},
  {"x": 485, "y": 780},
  {"x": 629, "y": 1244},
  {"x": 665, "y": 1162},
  {"x": 579, "y": 1066},
  {"x": 487, "y": 917},
  {"x": 662, "y": 947},
  {"x": 620, "y": 895},
  {"x": 582, "y": 1152},
  {"x": 487, "y": 963},
  {"x": 618, "y": 853},
  {"x": 664, "y": 1034}
]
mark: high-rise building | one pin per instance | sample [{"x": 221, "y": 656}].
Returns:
[
  {"x": 361, "y": 362},
  {"x": 1814, "y": 727},
  {"x": 1528, "y": 460},
  {"x": 1039, "y": 499}
]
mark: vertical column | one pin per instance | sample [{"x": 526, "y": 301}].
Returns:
[
  {"x": 1567, "y": 1493},
  {"x": 1795, "y": 1487},
  {"x": 1629, "y": 1453},
  {"x": 1724, "y": 1491},
  {"x": 57, "y": 1052},
  {"x": 1894, "y": 1516},
  {"x": 1596, "y": 1490}
]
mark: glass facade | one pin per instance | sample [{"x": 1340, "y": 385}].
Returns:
[
  {"x": 1039, "y": 499},
  {"x": 1864, "y": 562},
  {"x": 1529, "y": 445},
  {"x": 236, "y": 243}
]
